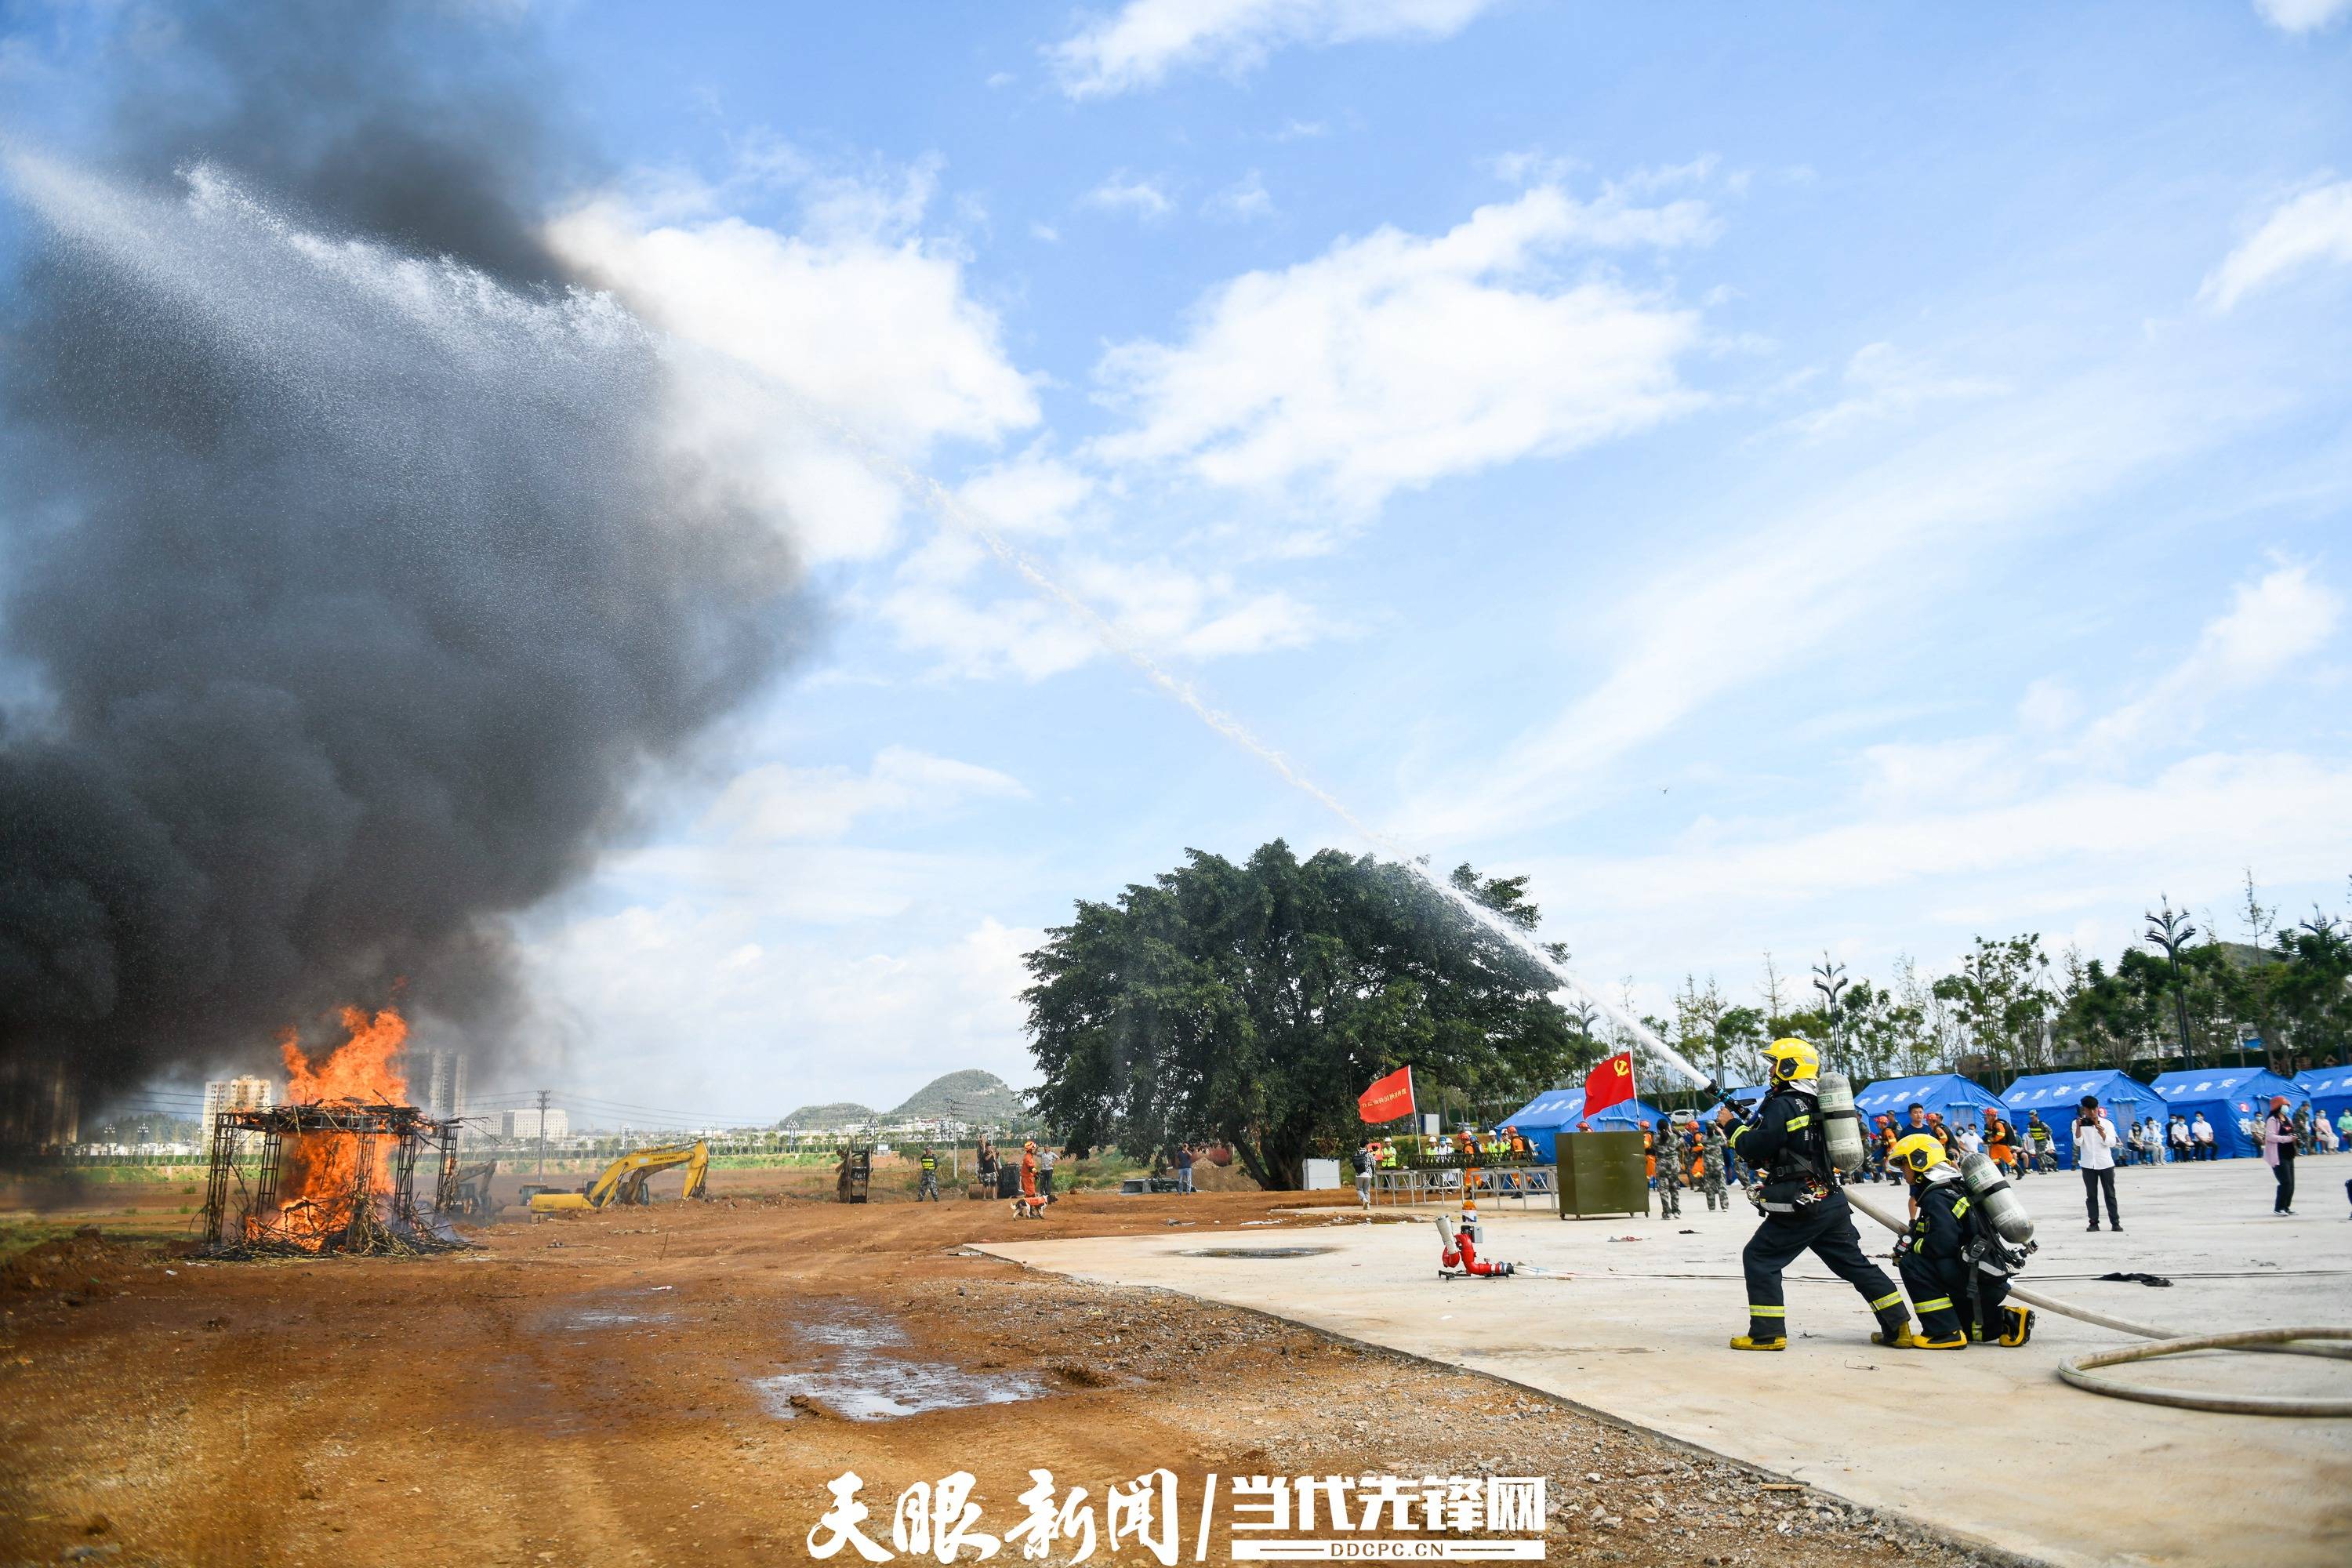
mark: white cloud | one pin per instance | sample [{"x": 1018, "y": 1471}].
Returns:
[
  {"x": 1161, "y": 607},
  {"x": 1885, "y": 384},
  {"x": 2302, "y": 15},
  {"x": 1394, "y": 360},
  {"x": 2272, "y": 624},
  {"x": 1166, "y": 606},
  {"x": 856, "y": 318},
  {"x": 2047, "y": 707},
  {"x": 1146, "y": 39},
  {"x": 1141, "y": 197},
  {"x": 2312, "y": 228},
  {"x": 1245, "y": 199},
  {"x": 681, "y": 1003},
  {"x": 1970, "y": 832},
  {"x": 931, "y": 613},
  {"x": 2191, "y": 828},
  {"x": 1870, "y": 543},
  {"x": 1033, "y": 493},
  {"x": 779, "y": 802}
]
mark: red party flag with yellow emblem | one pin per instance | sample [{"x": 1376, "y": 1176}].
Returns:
[{"x": 1611, "y": 1082}]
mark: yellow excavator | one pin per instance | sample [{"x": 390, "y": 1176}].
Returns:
[{"x": 624, "y": 1181}]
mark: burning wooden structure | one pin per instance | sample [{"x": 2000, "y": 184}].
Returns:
[{"x": 337, "y": 1177}]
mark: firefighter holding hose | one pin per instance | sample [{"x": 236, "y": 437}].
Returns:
[
  {"x": 1955, "y": 1265},
  {"x": 1803, "y": 1208}
]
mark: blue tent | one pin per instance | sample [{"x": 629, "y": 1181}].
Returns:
[
  {"x": 2330, "y": 1089},
  {"x": 2226, "y": 1096},
  {"x": 2058, "y": 1095},
  {"x": 1558, "y": 1110},
  {"x": 1957, "y": 1100}
]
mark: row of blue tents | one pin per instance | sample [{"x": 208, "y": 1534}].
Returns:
[{"x": 2223, "y": 1095}]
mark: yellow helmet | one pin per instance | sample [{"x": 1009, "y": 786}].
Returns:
[
  {"x": 1794, "y": 1060},
  {"x": 1920, "y": 1153}
]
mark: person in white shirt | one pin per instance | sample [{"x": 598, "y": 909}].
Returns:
[
  {"x": 2202, "y": 1131},
  {"x": 2094, "y": 1156}
]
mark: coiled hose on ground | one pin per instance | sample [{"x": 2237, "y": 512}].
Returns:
[{"x": 2078, "y": 1370}]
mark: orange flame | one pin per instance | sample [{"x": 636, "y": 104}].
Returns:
[{"x": 319, "y": 1180}]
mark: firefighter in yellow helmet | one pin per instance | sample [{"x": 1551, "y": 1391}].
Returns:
[
  {"x": 1804, "y": 1209},
  {"x": 1953, "y": 1263}
]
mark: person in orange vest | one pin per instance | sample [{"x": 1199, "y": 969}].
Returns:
[
  {"x": 1029, "y": 1204},
  {"x": 2000, "y": 1139}
]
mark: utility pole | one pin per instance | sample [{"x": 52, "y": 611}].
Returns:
[
  {"x": 1829, "y": 979},
  {"x": 543, "y": 1095},
  {"x": 2172, "y": 931}
]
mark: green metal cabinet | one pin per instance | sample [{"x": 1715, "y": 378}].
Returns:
[{"x": 1601, "y": 1174}]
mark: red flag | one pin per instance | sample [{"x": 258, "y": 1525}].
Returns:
[
  {"x": 1609, "y": 1082},
  {"x": 1389, "y": 1098}
]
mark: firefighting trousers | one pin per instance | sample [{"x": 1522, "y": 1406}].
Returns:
[
  {"x": 1826, "y": 1231},
  {"x": 1940, "y": 1296}
]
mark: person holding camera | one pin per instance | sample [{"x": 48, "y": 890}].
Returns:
[{"x": 2094, "y": 1156}]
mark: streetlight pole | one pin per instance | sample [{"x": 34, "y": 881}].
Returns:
[
  {"x": 1829, "y": 979},
  {"x": 2171, "y": 930}
]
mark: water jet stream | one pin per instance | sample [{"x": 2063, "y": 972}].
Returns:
[{"x": 943, "y": 502}]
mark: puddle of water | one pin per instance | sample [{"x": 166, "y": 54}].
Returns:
[
  {"x": 842, "y": 1333},
  {"x": 1253, "y": 1251},
  {"x": 609, "y": 1317},
  {"x": 877, "y": 1388},
  {"x": 860, "y": 1383}
]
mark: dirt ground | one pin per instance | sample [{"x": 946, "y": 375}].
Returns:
[{"x": 678, "y": 1384}]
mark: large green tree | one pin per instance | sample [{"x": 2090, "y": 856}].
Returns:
[{"x": 1251, "y": 1003}]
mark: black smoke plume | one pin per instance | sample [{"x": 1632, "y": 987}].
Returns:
[{"x": 350, "y": 591}]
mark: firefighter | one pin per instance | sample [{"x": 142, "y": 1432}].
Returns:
[
  {"x": 1955, "y": 1265},
  {"x": 1804, "y": 1210}
]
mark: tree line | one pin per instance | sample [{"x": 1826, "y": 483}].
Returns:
[
  {"x": 1248, "y": 1003},
  {"x": 2184, "y": 995}
]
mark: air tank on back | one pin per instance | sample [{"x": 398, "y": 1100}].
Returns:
[
  {"x": 1841, "y": 1129},
  {"x": 1999, "y": 1201}
]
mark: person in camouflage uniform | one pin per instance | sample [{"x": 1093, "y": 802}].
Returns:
[
  {"x": 1717, "y": 1152},
  {"x": 1671, "y": 1165}
]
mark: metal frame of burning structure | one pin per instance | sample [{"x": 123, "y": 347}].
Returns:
[{"x": 359, "y": 1191}]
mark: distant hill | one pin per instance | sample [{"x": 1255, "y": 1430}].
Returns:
[
  {"x": 840, "y": 1113},
  {"x": 968, "y": 1095}
]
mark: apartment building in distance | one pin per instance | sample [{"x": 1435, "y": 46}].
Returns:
[
  {"x": 513, "y": 1124},
  {"x": 441, "y": 1075},
  {"x": 236, "y": 1094}
]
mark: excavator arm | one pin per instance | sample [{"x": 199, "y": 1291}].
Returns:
[{"x": 624, "y": 1181}]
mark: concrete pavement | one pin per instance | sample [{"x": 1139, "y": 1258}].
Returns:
[{"x": 1986, "y": 1444}]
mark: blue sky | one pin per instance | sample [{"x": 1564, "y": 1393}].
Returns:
[{"x": 1838, "y": 477}]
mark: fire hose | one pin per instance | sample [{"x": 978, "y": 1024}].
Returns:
[{"x": 2078, "y": 1370}]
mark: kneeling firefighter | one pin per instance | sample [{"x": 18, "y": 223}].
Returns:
[
  {"x": 1787, "y": 1144},
  {"x": 1956, "y": 1260}
]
